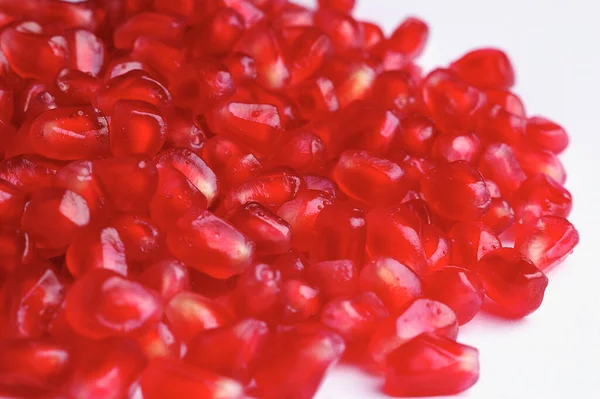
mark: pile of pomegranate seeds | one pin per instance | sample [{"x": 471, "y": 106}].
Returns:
[{"x": 218, "y": 198}]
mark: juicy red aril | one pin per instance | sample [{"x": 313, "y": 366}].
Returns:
[
  {"x": 213, "y": 198},
  {"x": 512, "y": 281},
  {"x": 431, "y": 365},
  {"x": 459, "y": 288}
]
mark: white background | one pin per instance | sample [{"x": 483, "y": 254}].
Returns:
[{"x": 555, "y": 48}]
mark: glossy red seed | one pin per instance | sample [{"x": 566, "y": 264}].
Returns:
[
  {"x": 162, "y": 26},
  {"x": 159, "y": 343},
  {"x": 335, "y": 278},
  {"x": 500, "y": 217},
  {"x": 167, "y": 277},
  {"x": 70, "y": 133},
  {"x": 460, "y": 289},
  {"x": 471, "y": 241},
  {"x": 271, "y": 234},
  {"x": 218, "y": 34},
  {"x": 295, "y": 363},
  {"x": 547, "y": 241},
  {"x": 502, "y": 126},
  {"x": 452, "y": 103},
  {"x": 32, "y": 54},
  {"x": 210, "y": 244},
  {"x": 431, "y": 366},
  {"x": 436, "y": 245},
  {"x": 106, "y": 369},
  {"x": 394, "y": 233},
  {"x": 189, "y": 314},
  {"x": 300, "y": 301},
  {"x": 535, "y": 161},
  {"x": 230, "y": 351},
  {"x": 370, "y": 179},
  {"x": 301, "y": 213},
  {"x": 31, "y": 367},
  {"x": 28, "y": 172},
  {"x": 133, "y": 85},
  {"x": 395, "y": 90},
  {"x": 420, "y": 316},
  {"x": 302, "y": 151},
  {"x": 356, "y": 318},
  {"x": 257, "y": 292},
  {"x": 499, "y": 163},
  {"x": 53, "y": 218},
  {"x": 136, "y": 127},
  {"x": 546, "y": 134},
  {"x": 507, "y": 100},
  {"x": 130, "y": 182},
  {"x": 344, "y": 6},
  {"x": 540, "y": 195},
  {"x": 271, "y": 189},
  {"x": 193, "y": 168},
  {"x": 409, "y": 38},
  {"x": 97, "y": 249},
  {"x": 12, "y": 203},
  {"x": 103, "y": 303},
  {"x": 456, "y": 191},
  {"x": 162, "y": 379},
  {"x": 512, "y": 281},
  {"x": 487, "y": 68},
  {"x": 452, "y": 147},
  {"x": 344, "y": 31},
  {"x": 77, "y": 87},
  {"x": 394, "y": 283},
  {"x": 340, "y": 232}
]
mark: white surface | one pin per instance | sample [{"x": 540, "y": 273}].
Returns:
[{"x": 554, "y": 47}]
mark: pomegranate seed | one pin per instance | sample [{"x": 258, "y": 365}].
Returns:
[
  {"x": 159, "y": 343},
  {"x": 420, "y": 316},
  {"x": 546, "y": 134},
  {"x": 231, "y": 351},
  {"x": 339, "y": 233},
  {"x": 167, "y": 277},
  {"x": 335, "y": 278},
  {"x": 271, "y": 234},
  {"x": 457, "y": 191},
  {"x": 540, "y": 195},
  {"x": 162, "y": 26},
  {"x": 12, "y": 203},
  {"x": 136, "y": 128},
  {"x": 70, "y": 133},
  {"x": 77, "y": 87},
  {"x": 295, "y": 362},
  {"x": 190, "y": 313},
  {"x": 410, "y": 37},
  {"x": 546, "y": 241},
  {"x": 395, "y": 90},
  {"x": 431, "y": 365},
  {"x": 535, "y": 161},
  {"x": 33, "y": 366},
  {"x": 471, "y": 241},
  {"x": 459, "y": 288},
  {"x": 393, "y": 282},
  {"x": 219, "y": 34},
  {"x": 257, "y": 292},
  {"x": 292, "y": 264},
  {"x": 87, "y": 51},
  {"x": 499, "y": 163},
  {"x": 103, "y": 303},
  {"x": 354, "y": 319},
  {"x": 487, "y": 68},
  {"x": 301, "y": 301},
  {"x": 97, "y": 249},
  {"x": 512, "y": 281},
  {"x": 394, "y": 233},
  {"x": 500, "y": 217},
  {"x": 161, "y": 379},
  {"x": 344, "y": 6},
  {"x": 452, "y": 147}
]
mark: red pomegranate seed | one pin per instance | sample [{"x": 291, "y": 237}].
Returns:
[
  {"x": 218, "y": 34},
  {"x": 456, "y": 191},
  {"x": 546, "y": 134},
  {"x": 136, "y": 127},
  {"x": 546, "y": 241},
  {"x": 512, "y": 281},
  {"x": 159, "y": 343},
  {"x": 486, "y": 68},
  {"x": 162, "y": 26},
  {"x": 167, "y": 277},
  {"x": 471, "y": 241},
  {"x": 301, "y": 301},
  {"x": 340, "y": 232},
  {"x": 410, "y": 37},
  {"x": 162, "y": 379},
  {"x": 86, "y": 50},
  {"x": 257, "y": 292},
  {"x": 356, "y": 318},
  {"x": 395, "y": 90},
  {"x": 431, "y": 365},
  {"x": 12, "y": 203},
  {"x": 394, "y": 283},
  {"x": 540, "y": 195},
  {"x": 103, "y": 303},
  {"x": 106, "y": 369},
  {"x": 33, "y": 366},
  {"x": 271, "y": 234},
  {"x": 507, "y": 100},
  {"x": 452, "y": 147},
  {"x": 499, "y": 163},
  {"x": 295, "y": 362},
  {"x": 420, "y": 316},
  {"x": 70, "y": 133},
  {"x": 230, "y": 351},
  {"x": 500, "y": 217},
  {"x": 189, "y": 314},
  {"x": 459, "y": 288},
  {"x": 335, "y": 278}
]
